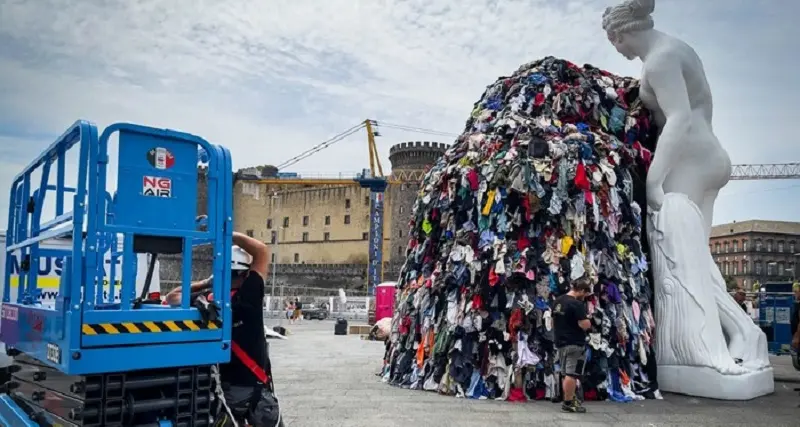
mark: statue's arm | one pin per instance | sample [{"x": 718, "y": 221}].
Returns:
[{"x": 665, "y": 75}]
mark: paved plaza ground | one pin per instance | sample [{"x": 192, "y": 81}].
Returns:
[{"x": 329, "y": 381}]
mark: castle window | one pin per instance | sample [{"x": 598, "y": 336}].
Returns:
[
  {"x": 305, "y": 221},
  {"x": 364, "y": 236},
  {"x": 286, "y": 221},
  {"x": 296, "y": 257},
  {"x": 327, "y": 220},
  {"x": 347, "y": 219},
  {"x": 269, "y": 223},
  {"x": 735, "y": 245},
  {"x": 326, "y": 236},
  {"x": 249, "y": 233},
  {"x": 366, "y": 200},
  {"x": 305, "y": 236},
  {"x": 780, "y": 246},
  {"x": 273, "y": 237},
  {"x": 399, "y": 233},
  {"x": 347, "y": 203}
]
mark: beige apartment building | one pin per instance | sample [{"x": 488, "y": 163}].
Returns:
[
  {"x": 316, "y": 225},
  {"x": 330, "y": 224}
]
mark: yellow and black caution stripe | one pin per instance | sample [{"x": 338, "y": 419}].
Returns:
[{"x": 148, "y": 327}]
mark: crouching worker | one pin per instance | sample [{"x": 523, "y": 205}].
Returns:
[{"x": 246, "y": 394}]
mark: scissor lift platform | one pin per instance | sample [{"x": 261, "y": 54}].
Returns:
[{"x": 92, "y": 360}]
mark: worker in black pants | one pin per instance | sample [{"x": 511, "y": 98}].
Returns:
[
  {"x": 246, "y": 392},
  {"x": 570, "y": 323}
]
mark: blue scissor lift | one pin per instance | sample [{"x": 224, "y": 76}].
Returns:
[{"x": 91, "y": 360}]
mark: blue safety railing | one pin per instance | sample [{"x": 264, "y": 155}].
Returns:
[{"x": 153, "y": 211}]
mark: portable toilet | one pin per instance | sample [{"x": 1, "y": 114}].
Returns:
[{"x": 384, "y": 300}]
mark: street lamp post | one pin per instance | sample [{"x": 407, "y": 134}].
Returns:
[{"x": 274, "y": 206}]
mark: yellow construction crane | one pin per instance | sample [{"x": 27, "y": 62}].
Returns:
[{"x": 375, "y": 166}]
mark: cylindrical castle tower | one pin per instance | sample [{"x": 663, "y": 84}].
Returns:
[{"x": 409, "y": 160}]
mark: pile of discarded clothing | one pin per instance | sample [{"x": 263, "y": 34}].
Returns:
[{"x": 536, "y": 193}]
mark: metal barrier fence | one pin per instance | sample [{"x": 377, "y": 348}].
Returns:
[{"x": 355, "y": 308}]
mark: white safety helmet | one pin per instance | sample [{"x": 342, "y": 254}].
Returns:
[{"x": 240, "y": 260}]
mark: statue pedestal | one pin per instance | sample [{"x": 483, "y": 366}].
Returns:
[{"x": 706, "y": 382}]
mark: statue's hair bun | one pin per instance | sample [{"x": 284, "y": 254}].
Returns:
[{"x": 642, "y": 8}]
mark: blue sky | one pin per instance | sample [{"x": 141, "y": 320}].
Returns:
[{"x": 271, "y": 78}]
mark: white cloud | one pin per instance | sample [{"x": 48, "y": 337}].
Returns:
[{"x": 270, "y": 79}]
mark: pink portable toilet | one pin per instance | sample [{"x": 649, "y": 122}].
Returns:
[{"x": 384, "y": 300}]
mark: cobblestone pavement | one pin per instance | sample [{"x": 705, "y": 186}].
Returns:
[{"x": 329, "y": 381}]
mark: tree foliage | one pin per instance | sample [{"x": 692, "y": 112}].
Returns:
[{"x": 730, "y": 283}]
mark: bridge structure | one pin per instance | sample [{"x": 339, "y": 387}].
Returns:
[{"x": 762, "y": 171}]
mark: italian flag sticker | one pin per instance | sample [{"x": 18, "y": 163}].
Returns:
[{"x": 160, "y": 158}]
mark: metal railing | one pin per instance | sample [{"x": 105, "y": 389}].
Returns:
[{"x": 355, "y": 308}]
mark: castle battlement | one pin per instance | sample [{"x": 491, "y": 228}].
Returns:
[
  {"x": 417, "y": 145},
  {"x": 415, "y": 155}
]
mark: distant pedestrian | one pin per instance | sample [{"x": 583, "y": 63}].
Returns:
[
  {"x": 289, "y": 308},
  {"x": 741, "y": 299},
  {"x": 298, "y": 311},
  {"x": 570, "y": 325}
]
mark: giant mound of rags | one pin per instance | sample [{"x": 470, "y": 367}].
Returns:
[{"x": 537, "y": 192}]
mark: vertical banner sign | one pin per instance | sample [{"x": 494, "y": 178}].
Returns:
[{"x": 375, "y": 241}]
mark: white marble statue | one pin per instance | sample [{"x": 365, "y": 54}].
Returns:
[{"x": 706, "y": 345}]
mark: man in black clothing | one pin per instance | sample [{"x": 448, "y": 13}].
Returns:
[
  {"x": 741, "y": 298},
  {"x": 299, "y": 306},
  {"x": 570, "y": 324},
  {"x": 245, "y": 380}
]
